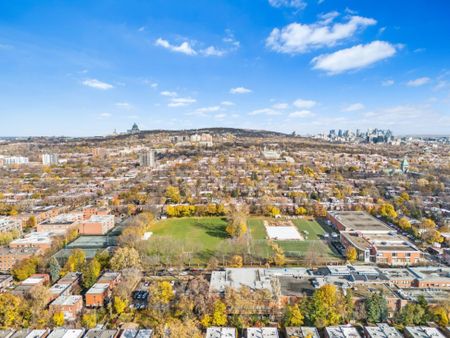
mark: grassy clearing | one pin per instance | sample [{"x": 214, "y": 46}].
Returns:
[{"x": 200, "y": 233}]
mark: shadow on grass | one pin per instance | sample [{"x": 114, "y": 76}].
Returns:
[{"x": 213, "y": 230}]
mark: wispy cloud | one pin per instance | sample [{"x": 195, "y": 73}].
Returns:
[
  {"x": 354, "y": 58},
  {"x": 418, "y": 82},
  {"x": 191, "y": 47},
  {"x": 280, "y": 106},
  {"x": 181, "y": 102},
  {"x": 240, "y": 90},
  {"x": 265, "y": 111},
  {"x": 387, "y": 83},
  {"x": 168, "y": 93},
  {"x": 354, "y": 107},
  {"x": 105, "y": 115},
  {"x": 94, "y": 83},
  {"x": 124, "y": 105},
  {"x": 297, "y": 4},
  {"x": 184, "y": 47},
  {"x": 304, "y": 104},
  {"x": 300, "y": 38},
  {"x": 227, "y": 103},
  {"x": 301, "y": 113}
]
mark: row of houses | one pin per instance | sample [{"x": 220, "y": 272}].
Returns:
[
  {"x": 342, "y": 331},
  {"x": 64, "y": 295},
  {"x": 77, "y": 333}
]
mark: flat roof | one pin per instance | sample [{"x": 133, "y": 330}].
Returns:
[
  {"x": 98, "y": 288},
  {"x": 302, "y": 332},
  {"x": 342, "y": 331},
  {"x": 220, "y": 332},
  {"x": 66, "y": 333},
  {"x": 360, "y": 221},
  {"x": 67, "y": 300},
  {"x": 424, "y": 332},
  {"x": 382, "y": 331},
  {"x": 262, "y": 332}
]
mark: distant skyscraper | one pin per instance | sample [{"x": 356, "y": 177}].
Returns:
[
  {"x": 49, "y": 159},
  {"x": 148, "y": 158}
]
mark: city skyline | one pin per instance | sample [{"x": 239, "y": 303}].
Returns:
[{"x": 281, "y": 65}]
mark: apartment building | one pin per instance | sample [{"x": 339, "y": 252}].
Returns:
[
  {"x": 70, "y": 305},
  {"x": 96, "y": 225},
  {"x": 10, "y": 256}
]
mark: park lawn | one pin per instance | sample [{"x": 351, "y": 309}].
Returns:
[
  {"x": 204, "y": 233},
  {"x": 258, "y": 232},
  {"x": 314, "y": 229},
  {"x": 313, "y": 240}
]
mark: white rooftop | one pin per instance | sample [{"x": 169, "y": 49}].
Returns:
[
  {"x": 423, "y": 332},
  {"x": 262, "y": 332},
  {"x": 342, "y": 331},
  {"x": 221, "y": 332}
]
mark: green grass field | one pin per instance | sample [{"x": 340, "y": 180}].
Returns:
[
  {"x": 204, "y": 234},
  {"x": 313, "y": 240}
]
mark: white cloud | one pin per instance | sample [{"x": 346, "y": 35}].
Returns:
[
  {"x": 304, "y": 104},
  {"x": 280, "y": 106},
  {"x": 231, "y": 40},
  {"x": 387, "y": 83},
  {"x": 220, "y": 116},
  {"x": 297, "y": 4},
  {"x": 418, "y": 82},
  {"x": 213, "y": 51},
  {"x": 185, "y": 47},
  {"x": 353, "y": 58},
  {"x": 354, "y": 107},
  {"x": 168, "y": 93},
  {"x": 440, "y": 85},
  {"x": 240, "y": 90},
  {"x": 94, "y": 83},
  {"x": 301, "y": 38},
  {"x": 227, "y": 103},
  {"x": 265, "y": 111},
  {"x": 205, "y": 110},
  {"x": 124, "y": 105},
  {"x": 105, "y": 115},
  {"x": 181, "y": 102},
  {"x": 301, "y": 113}
]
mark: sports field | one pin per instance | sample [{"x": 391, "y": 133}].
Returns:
[
  {"x": 202, "y": 233},
  {"x": 206, "y": 236},
  {"x": 312, "y": 232}
]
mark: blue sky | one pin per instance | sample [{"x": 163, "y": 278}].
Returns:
[{"x": 88, "y": 67}]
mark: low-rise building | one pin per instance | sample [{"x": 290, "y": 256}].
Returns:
[
  {"x": 66, "y": 333},
  {"x": 302, "y": 332},
  {"x": 262, "y": 332},
  {"x": 10, "y": 224},
  {"x": 96, "y": 225},
  {"x": 97, "y": 295},
  {"x": 70, "y": 305},
  {"x": 422, "y": 332},
  {"x": 342, "y": 331},
  {"x": 39, "y": 240},
  {"x": 100, "y": 333},
  {"x": 221, "y": 332},
  {"x": 10, "y": 256},
  {"x": 382, "y": 330}
]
